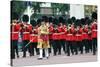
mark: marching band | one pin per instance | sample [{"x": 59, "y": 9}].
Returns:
[{"x": 49, "y": 38}]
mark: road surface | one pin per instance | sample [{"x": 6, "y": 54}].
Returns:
[{"x": 59, "y": 59}]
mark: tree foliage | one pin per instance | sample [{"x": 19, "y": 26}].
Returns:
[
  {"x": 61, "y": 7},
  {"x": 18, "y": 7}
]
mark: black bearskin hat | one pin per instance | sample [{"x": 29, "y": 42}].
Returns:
[
  {"x": 25, "y": 18},
  {"x": 61, "y": 19},
  {"x": 14, "y": 16},
  {"x": 73, "y": 19},
  {"x": 94, "y": 15},
  {"x": 45, "y": 18}
]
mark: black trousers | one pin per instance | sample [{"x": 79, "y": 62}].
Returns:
[
  {"x": 25, "y": 42},
  {"x": 56, "y": 47},
  {"x": 90, "y": 45},
  {"x": 94, "y": 44},
  {"x": 69, "y": 47},
  {"x": 51, "y": 43},
  {"x": 74, "y": 47},
  {"x": 63, "y": 45},
  {"x": 86, "y": 44},
  {"x": 80, "y": 46},
  {"x": 66, "y": 43},
  {"x": 14, "y": 48},
  {"x": 33, "y": 48}
]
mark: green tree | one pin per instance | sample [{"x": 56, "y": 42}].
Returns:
[
  {"x": 18, "y": 7},
  {"x": 61, "y": 7},
  {"x": 36, "y": 7}
]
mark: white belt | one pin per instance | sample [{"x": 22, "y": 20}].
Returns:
[
  {"x": 14, "y": 32},
  {"x": 62, "y": 32},
  {"x": 83, "y": 33},
  {"x": 56, "y": 33},
  {"x": 94, "y": 30},
  {"x": 69, "y": 34},
  {"x": 33, "y": 35},
  {"x": 25, "y": 32},
  {"x": 78, "y": 35}
]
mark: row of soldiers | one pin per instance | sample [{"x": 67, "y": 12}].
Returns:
[{"x": 74, "y": 39}]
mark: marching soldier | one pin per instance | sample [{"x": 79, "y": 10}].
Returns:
[
  {"x": 90, "y": 38},
  {"x": 69, "y": 40},
  {"x": 57, "y": 44},
  {"x": 34, "y": 40},
  {"x": 73, "y": 40},
  {"x": 26, "y": 29},
  {"x": 62, "y": 32},
  {"x": 94, "y": 37},
  {"x": 62, "y": 36},
  {"x": 79, "y": 39},
  {"x": 51, "y": 30},
  {"x": 85, "y": 38},
  {"x": 14, "y": 38},
  {"x": 66, "y": 38}
]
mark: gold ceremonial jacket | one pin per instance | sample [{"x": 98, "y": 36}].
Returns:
[{"x": 43, "y": 30}]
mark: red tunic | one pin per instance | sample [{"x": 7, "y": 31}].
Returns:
[
  {"x": 66, "y": 37},
  {"x": 94, "y": 30},
  {"x": 26, "y": 32},
  {"x": 89, "y": 37},
  {"x": 65, "y": 32},
  {"x": 69, "y": 36},
  {"x": 78, "y": 37},
  {"x": 34, "y": 35},
  {"x": 85, "y": 33},
  {"x": 56, "y": 36},
  {"x": 73, "y": 34},
  {"x": 51, "y": 30},
  {"x": 61, "y": 30},
  {"x": 34, "y": 38},
  {"x": 15, "y": 31}
]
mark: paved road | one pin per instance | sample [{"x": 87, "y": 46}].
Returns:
[{"x": 59, "y": 59}]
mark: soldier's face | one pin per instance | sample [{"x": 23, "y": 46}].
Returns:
[
  {"x": 78, "y": 27},
  {"x": 51, "y": 24},
  {"x": 47, "y": 24},
  {"x": 42, "y": 23},
  {"x": 64, "y": 25},
  {"x": 14, "y": 22},
  {"x": 61, "y": 24}
]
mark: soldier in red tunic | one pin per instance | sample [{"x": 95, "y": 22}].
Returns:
[
  {"x": 69, "y": 39},
  {"x": 27, "y": 28},
  {"x": 85, "y": 38},
  {"x": 61, "y": 30},
  {"x": 15, "y": 28},
  {"x": 64, "y": 37},
  {"x": 90, "y": 38},
  {"x": 34, "y": 40},
  {"x": 73, "y": 45},
  {"x": 51, "y": 30},
  {"x": 94, "y": 36},
  {"x": 56, "y": 43},
  {"x": 79, "y": 38}
]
